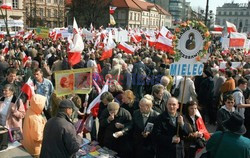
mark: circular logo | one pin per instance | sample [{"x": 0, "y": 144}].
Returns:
[{"x": 190, "y": 43}]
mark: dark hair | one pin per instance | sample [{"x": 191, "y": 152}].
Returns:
[
  {"x": 38, "y": 70},
  {"x": 11, "y": 71},
  {"x": 229, "y": 73},
  {"x": 229, "y": 97},
  {"x": 108, "y": 96},
  {"x": 229, "y": 63},
  {"x": 242, "y": 81},
  {"x": 191, "y": 103}
]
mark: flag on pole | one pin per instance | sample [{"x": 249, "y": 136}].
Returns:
[
  {"x": 230, "y": 27},
  {"x": 112, "y": 20},
  {"x": 112, "y": 9},
  {"x": 164, "y": 41},
  {"x": 126, "y": 48},
  {"x": 97, "y": 100},
  {"x": 76, "y": 47},
  {"x": 108, "y": 49},
  {"x": 28, "y": 88}
]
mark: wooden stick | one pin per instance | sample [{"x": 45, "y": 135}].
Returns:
[{"x": 181, "y": 106}]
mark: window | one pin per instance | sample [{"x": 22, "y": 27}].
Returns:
[
  {"x": 49, "y": 13},
  {"x": 230, "y": 13},
  {"x": 225, "y": 13},
  {"x": 130, "y": 16},
  {"x": 134, "y": 16},
  {"x": 49, "y": 1},
  {"x": 41, "y": 12},
  {"x": 55, "y": 1},
  {"x": 246, "y": 22},
  {"x": 55, "y": 13},
  {"x": 61, "y": 1},
  {"x": 15, "y": 4},
  {"x": 241, "y": 13}
]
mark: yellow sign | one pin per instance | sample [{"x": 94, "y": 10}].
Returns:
[
  {"x": 77, "y": 81},
  {"x": 42, "y": 32}
]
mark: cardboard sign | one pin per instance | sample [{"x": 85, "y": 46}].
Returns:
[{"x": 42, "y": 32}]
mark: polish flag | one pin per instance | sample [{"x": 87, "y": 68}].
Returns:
[
  {"x": 29, "y": 88},
  {"x": 6, "y": 6},
  {"x": 237, "y": 40},
  {"x": 150, "y": 37},
  {"x": 107, "y": 52},
  {"x": 133, "y": 39},
  {"x": 95, "y": 103},
  {"x": 57, "y": 35},
  {"x": 126, "y": 48},
  {"x": 76, "y": 47},
  {"x": 112, "y": 9},
  {"x": 6, "y": 48},
  {"x": 28, "y": 35},
  {"x": 164, "y": 41},
  {"x": 218, "y": 28},
  {"x": 2, "y": 34},
  {"x": 230, "y": 27}
]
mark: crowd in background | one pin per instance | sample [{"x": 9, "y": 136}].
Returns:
[{"x": 141, "y": 91}]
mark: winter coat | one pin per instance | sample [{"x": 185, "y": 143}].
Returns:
[
  {"x": 143, "y": 147},
  {"x": 121, "y": 144},
  {"x": 33, "y": 125},
  {"x": 231, "y": 146},
  {"x": 163, "y": 132},
  {"x": 60, "y": 139},
  {"x": 15, "y": 113}
]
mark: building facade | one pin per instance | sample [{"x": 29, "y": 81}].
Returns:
[
  {"x": 14, "y": 16},
  {"x": 163, "y": 3},
  {"x": 236, "y": 13},
  {"x": 140, "y": 14},
  {"x": 47, "y": 13},
  {"x": 177, "y": 10}
]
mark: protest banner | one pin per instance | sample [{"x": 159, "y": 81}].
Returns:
[
  {"x": 191, "y": 42},
  {"x": 42, "y": 32},
  {"x": 78, "y": 81}
]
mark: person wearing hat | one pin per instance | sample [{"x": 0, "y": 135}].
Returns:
[
  {"x": 232, "y": 143},
  {"x": 114, "y": 121},
  {"x": 60, "y": 138}
]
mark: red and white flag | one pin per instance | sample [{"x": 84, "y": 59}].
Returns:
[
  {"x": 76, "y": 47},
  {"x": 6, "y": 48},
  {"x": 6, "y": 6},
  {"x": 150, "y": 37},
  {"x": 230, "y": 27},
  {"x": 126, "y": 48},
  {"x": 29, "y": 88},
  {"x": 112, "y": 9},
  {"x": 164, "y": 41},
  {"x": 237, "y": 40},
  {"x": 108, "y": 49},
  {"x": 28, "y": 35},
  {"x": 97, "y": 100},
  {"x": 218, "y": 28}
]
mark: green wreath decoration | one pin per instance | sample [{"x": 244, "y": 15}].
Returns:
[{"x": 183, "y": 27}]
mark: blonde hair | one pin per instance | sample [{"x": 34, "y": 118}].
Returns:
[
  {"x": 147, "y": 99},
  {"x": 130, "y": 95},
  {"x": 118, "y": 87}
]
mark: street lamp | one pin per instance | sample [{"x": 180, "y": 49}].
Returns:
[
  {"x": 6, "y": 6},
  {"x": 206, "y": 14}
]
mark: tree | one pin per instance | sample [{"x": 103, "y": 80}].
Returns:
[{"x": 87, "y": 12}]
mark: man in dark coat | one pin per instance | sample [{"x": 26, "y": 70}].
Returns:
[
  {"x": 138, "y": 78},
  {"x": 59, "y": 137},
  {"x": 168, "y": 143},
  {"x": 142, "y": 123},
  {"x": 125, "y": 78},
  {"x": 114, "y": 121}
]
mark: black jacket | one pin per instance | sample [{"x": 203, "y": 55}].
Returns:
[
  {"x": 59, "y": 138},
  {"x": 121, "y": 144},
  {"x": 163, "y": 132},
  {"x": 143, "y": 147}
]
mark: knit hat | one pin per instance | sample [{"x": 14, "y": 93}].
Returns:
[{"x": 66, "y": 103}]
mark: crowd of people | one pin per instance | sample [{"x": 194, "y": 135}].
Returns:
[{"x": 140, "y": 114}]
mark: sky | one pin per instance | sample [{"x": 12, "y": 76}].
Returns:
[{"x": 212, "y": 3}]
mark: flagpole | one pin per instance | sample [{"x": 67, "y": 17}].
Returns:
[{"x": 18, "y": 97}]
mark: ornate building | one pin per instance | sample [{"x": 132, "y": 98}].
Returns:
[
  {"x": 141, "y": 14},
  {"x": 47, "y": 13},
  {"x": 236, "y": 13}
]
